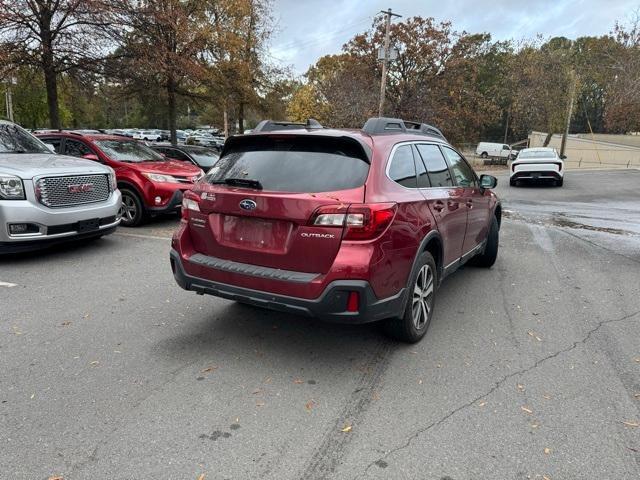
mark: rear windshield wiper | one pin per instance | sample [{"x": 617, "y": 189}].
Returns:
[{"x": 239, "y": 182}]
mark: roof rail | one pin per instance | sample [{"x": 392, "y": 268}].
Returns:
[
  {"x": 271, "y": 125},
  {"x": 378, "y": 125}
]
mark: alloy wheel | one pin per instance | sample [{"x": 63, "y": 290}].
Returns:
[
  {"x": 422, "y": 297},
  {"x": 128, "y": 208}
]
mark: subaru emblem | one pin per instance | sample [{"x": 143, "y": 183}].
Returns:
[{"x": 247, "y": 204}]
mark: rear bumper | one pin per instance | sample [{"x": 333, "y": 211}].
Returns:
[
  {"x": 536, "y": 175},
  {"x": 331, "y": 305}
]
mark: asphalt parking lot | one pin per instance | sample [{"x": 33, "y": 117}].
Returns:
[{"x": 530, "y": 369}]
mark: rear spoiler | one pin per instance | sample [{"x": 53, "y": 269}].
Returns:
[{"x": 353, "y": 146}]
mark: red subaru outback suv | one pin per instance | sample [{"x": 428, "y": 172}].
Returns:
[
  {"x": 150, "y": 183},
  {"x": 344, "y": 225}
]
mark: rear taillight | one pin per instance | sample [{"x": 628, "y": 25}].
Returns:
[
  {"x": 559, "y": 166},
  {"x": 190, "y": 201},
  {"x": 513, "y": 167},
  {"x": 360, "y": 222}
]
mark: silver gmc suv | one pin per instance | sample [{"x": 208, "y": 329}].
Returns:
[{"x": 47, "y": 198}]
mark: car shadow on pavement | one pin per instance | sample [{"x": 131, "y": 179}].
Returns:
[
  {"x": 233, "y": 329},
  {"x": 72, "y": 248}
]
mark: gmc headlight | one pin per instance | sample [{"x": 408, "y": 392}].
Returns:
[
  {"x": 156, "y": 177},
  {"x": 113, "y": 182},
  {"x": 11, "y": 188}
]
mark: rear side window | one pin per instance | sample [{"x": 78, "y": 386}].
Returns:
[
  {"x": 75, "y": 148},
  {"x": 289, "y": 163},
  {"x": 401, "y": 169},
  {"x": 436, "y": 166}
]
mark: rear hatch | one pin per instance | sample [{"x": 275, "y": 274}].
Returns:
[{"x": 256, "y": 204}]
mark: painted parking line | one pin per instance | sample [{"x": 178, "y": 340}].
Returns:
[
  {"x": 8, "y": 285},
  {"x": 141, "y": 235}
]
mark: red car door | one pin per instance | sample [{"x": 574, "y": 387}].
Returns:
[
  {"x": 475, "y": 201},
  {"x": 446, "y": 201}
]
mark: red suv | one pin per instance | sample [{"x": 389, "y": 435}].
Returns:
[
  {"x": 150, "y": 183},
  {"x": 344, "y": 225}
]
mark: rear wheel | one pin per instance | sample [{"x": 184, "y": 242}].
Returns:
[
  {"x": 484, "y": 155},
  {"x": 487, "y": 258},
  {"x": 413, "y": 324},
  {"x": 131, "y": 210},
  {"x": 559, "y": 182},
  {"x": 513, "y": 182}
]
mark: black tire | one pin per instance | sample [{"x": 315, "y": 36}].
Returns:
[
  {"x": 132, "y": 210},
  {"x": 484, "y": 155},
  {"x": 487, "y": 258},
  {"x": 559, "y": 182},
  {"x": 409, "y": 328},
  {"x": 513, "y": 182}
]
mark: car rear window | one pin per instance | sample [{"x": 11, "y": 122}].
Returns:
[
  {"x": 288, "y": 163},
  {"x": 537, "y": 154}
]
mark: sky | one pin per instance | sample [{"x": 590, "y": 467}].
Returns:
[{"x": 309, "y": 29}]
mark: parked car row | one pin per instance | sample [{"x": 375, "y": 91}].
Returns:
[{"x": 348, "y": 226}]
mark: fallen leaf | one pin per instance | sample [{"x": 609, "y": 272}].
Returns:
[
  {"x": 631, "y": 424},
  {"x": 534, "y": 425},
  {"x": 201, "y": 476},
  {"x": 298, "y": 381},
  {"x": 346, "y": 429},
  {"x": 267, "y": 380},
  {"x": 420, "y": 382},
  {"x": 55, "y": 477},
  {"x": 547, "y": 397},
  {"x": 32, "y": 396},
  {"x": 547, "y": 451},
  {"x": 310, "y": 404},
  {"x": 544, "y": 477},
  {"x": 257, "y": 391},
  {"x": 260, "y": 404},
  {"x": 637, "y": 359},
  {"x": 637, "y": 395},
  {"x": 520, "y": 387},
  {"x": 525, "y": 409},
  {"x": 64, "y": 324},
  {"x": 209, "y": 369},
  {"x": 482, "y": 404},
  {"x": 95, "y": 362}
]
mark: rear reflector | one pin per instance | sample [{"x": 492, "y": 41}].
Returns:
[{"x": 353, "y": 303}]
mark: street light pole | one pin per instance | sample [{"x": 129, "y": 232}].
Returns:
[{"x": 385, "y": 61}]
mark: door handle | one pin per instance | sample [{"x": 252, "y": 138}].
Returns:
[
  {"x": 452, "y": 204},
  {"x": 438, "y": 205}
]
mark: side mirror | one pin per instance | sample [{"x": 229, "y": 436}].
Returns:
[
  {"x": 51, "y": 148},
  {"x": 91, "y": 156},
  {"x": 488, "y": 181},
  {"x": 563, "y": 157}
]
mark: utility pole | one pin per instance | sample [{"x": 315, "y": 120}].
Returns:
[
  {"x": 9, "y": 98},
  {"x": 385, "y": 61},
  {"x": 572, "y": 94}
]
